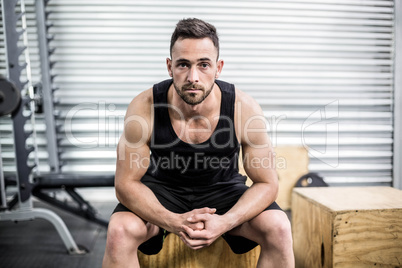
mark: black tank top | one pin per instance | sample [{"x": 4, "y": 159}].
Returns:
[{"x": 174, "y": 161}]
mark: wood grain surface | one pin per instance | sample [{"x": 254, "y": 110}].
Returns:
[
  {"x": 347, "y": 227},
  {"x": 219, "y": 255}
]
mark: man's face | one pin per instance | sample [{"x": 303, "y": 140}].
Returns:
[{"x": 194, "y": 68}]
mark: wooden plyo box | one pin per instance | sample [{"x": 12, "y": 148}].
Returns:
[
  {"x": 347, "y": 227},
  {"x": 291, "y": 163},
  {"x": 175, "y": 254}
]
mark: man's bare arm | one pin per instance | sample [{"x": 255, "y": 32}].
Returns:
[
  {"x": 258, "y": 161},
  {"x": 133, "y": 156}
]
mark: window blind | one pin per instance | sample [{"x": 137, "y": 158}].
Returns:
[{"x": 322, "y": 72}]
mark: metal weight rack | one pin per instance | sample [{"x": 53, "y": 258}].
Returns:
[{"x": 30, "y": 182}]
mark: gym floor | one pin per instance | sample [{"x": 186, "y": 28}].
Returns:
[{"x": 36, "y": 243}]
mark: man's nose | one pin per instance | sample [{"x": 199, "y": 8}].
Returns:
[{"x": 193, "y": 76}]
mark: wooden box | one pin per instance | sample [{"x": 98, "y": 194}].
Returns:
[
  {"x": 291, "y": 163},
  {"x": 347, "y": 227},
  {"x": 219, "y": 255}
]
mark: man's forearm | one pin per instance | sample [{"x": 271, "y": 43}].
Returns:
[
  {"x": 255, "y": 200},
  {"x": 142, "y": 201}
]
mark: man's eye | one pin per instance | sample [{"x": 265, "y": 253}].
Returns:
[
  {"x": 182, "y": 65},
  {"x": 204, "y": 65}
]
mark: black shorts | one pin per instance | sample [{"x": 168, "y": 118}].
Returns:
[{"x": 222, "y": 196}]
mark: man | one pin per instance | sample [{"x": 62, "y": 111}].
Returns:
[{"x": 177, "y": 170}]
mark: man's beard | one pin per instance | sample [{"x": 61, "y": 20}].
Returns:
[{"x": 192, "y": 98}]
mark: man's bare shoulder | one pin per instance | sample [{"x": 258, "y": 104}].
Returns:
[
  {"x": 138, "y": 119},
  {"x": 249, "y": 106},
  {"x": 141, "y": 104},
  {"x": 250, "y": 121}
]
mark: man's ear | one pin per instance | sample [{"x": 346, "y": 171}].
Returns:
[
  {"x": 219, "y": 68},
  {"x": 169, "y": 66}
]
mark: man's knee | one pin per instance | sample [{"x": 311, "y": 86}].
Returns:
[
  {"x": 277, "y": 229},
  {"x": 125, "y": 230}
]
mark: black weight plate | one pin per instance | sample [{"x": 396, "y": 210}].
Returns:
[{"x": 10, "y": 97}]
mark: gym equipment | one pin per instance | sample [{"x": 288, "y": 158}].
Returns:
[
  {"x": 10, "y": 97},
  {"x": 24, "y": 210},
  {"x": 311, "y": 179},
  {"x": 57, "y": 180},
  {"x": 28, "y": 181},
  {"x": 347, "y": 226}
]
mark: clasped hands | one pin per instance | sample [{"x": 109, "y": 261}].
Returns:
[{"x": 201, "y": 227}]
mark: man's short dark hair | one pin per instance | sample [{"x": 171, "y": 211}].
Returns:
[{"x": 194, "y": 28}]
